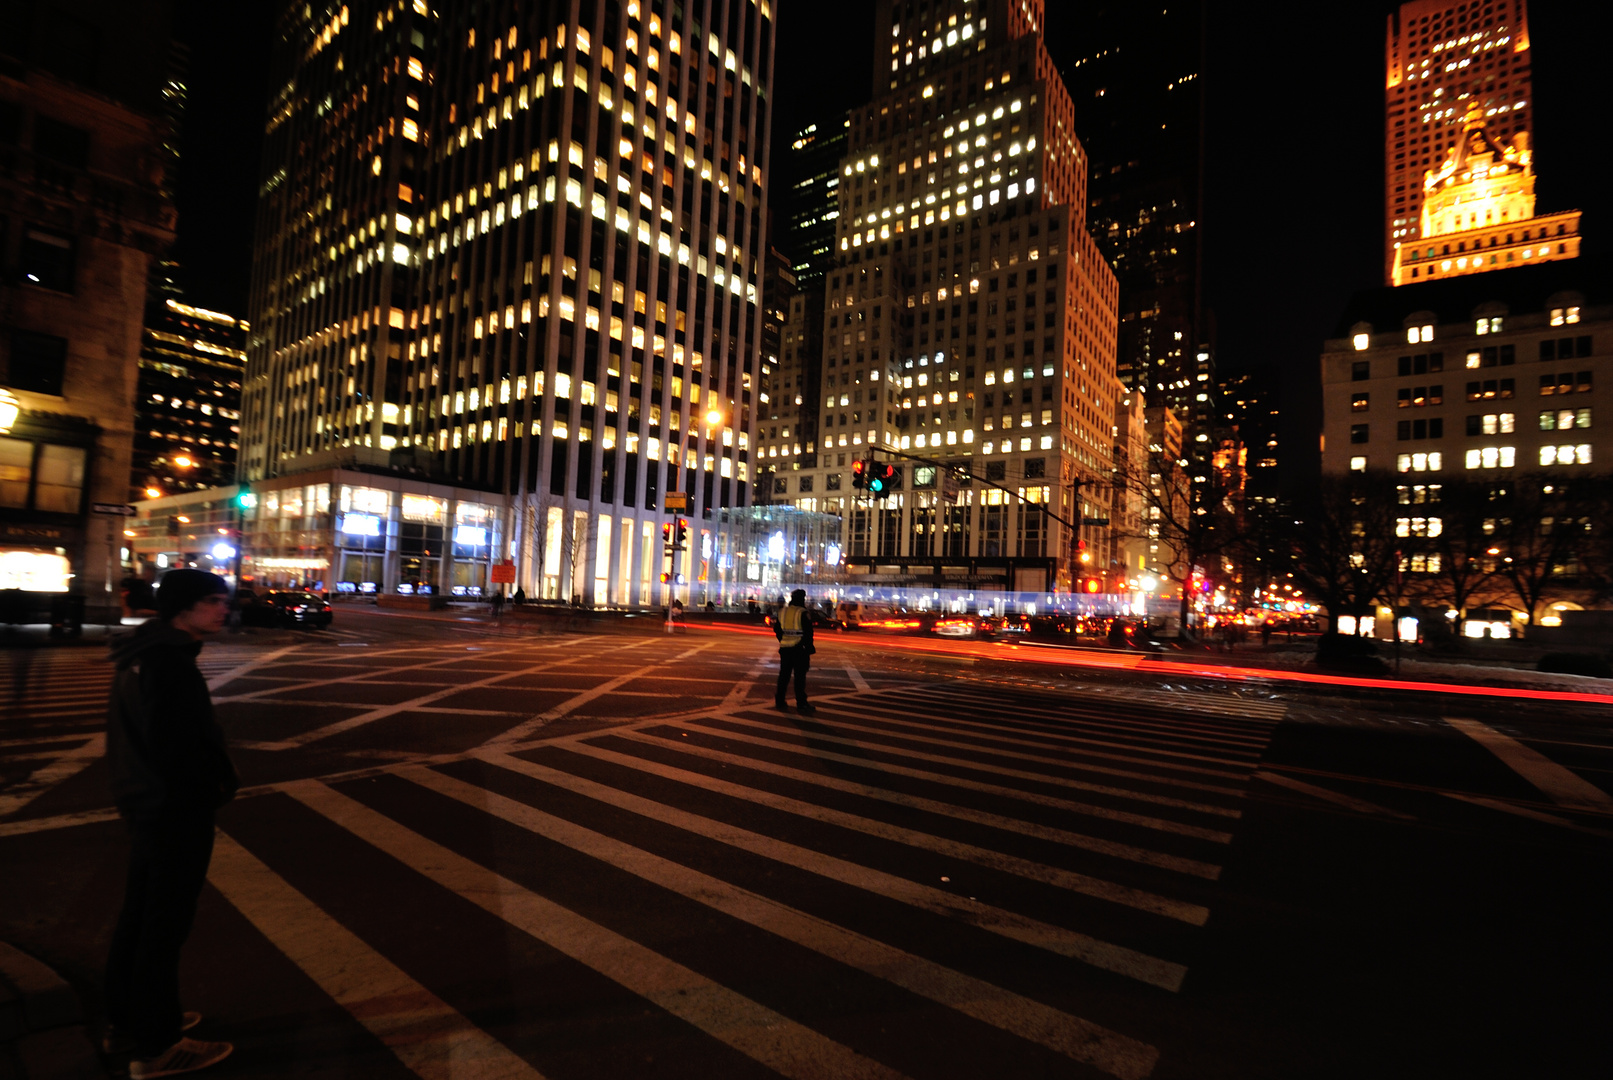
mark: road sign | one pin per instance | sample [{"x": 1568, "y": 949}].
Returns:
[
  {"x": 1094, "y": 521},
  {"x": 114, "y": 509},
  {"x": 949, "y": 485},
  {"x": 677, "y": 500},
  {"x": 504, "y": 573}
]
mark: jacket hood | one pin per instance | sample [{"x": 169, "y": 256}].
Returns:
[{"x": 153, "y": 635}]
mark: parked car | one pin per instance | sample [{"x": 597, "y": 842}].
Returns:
[{"x": 284, "y": 608}]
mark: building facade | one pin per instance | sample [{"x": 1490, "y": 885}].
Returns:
[
  {"x": 1493, "y": 375},
  {"x": 1443, "y": 59},
  {"x": 1478, "y": 212},
  {"x": 810, "y": 203},
  {"x": 187, "y": 426},
  {"x": 969, "y": 316},
  {"x": 1137, "y": 92},
  {"x": 532, "y": 266},
  {"x": 82, "y": 217}
]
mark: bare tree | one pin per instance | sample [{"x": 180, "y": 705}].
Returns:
[
  {"x": 1465, "y": 511},
  {"x": 1343, "y": 542},
  {"x": 1543, "y": 535},
  {"x": 1189, "y": 515}
]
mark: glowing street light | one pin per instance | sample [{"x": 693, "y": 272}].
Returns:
[
  {"x": 714, "y": 417},
  {"x": 153, "y": 493}
]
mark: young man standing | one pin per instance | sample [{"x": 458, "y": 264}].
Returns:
[
  {"x": 793, "y": 628},
  {"x": 170, "y": 774}
]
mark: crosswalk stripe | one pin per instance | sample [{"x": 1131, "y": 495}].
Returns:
[
  {"x": 1072, "y": 1036},
  {"x": 1064, "y": 942},
  {"x": 817, "y": 753},
  {"x": 64, "y": 767},
  {"x": 427, "y": 1034},
  {"x": 1070, "y": 880},
  {"x": 230, "y": 674},
  {"x": 931, "y": 736},
  {"x": 975, "y": 765},
  {"x": 774, "y": 1040},
  {"x": 1065, "y": 837},
  {"x": 1072, "y": 743},
  {"x": 1563, "y": 787},
  {"x": 1081, "y": 716},
  {"x": 1262, "y": 712}
]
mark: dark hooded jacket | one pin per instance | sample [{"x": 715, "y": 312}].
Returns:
[{"x": 165, "y": 749}]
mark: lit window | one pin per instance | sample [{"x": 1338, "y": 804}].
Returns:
[
  {"x": 1359, "y": 464},
  {"x": 1415, "y": 334}
]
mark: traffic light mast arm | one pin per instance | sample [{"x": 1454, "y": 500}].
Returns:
[{"x": 960, "y": 470}]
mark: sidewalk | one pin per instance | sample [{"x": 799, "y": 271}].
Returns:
[{"x": 42, "y": 1031}]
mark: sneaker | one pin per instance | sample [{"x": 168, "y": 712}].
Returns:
[
  {"x": 781, "y": 704},
  {"x": 186, "y": 1055},
  {"x": 114, "y": 1042},
  {"x": 808, "y": 709}
]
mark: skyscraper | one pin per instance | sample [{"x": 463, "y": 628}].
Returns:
[
  {"x": 1442, "y": 59},
  {"x": 809, "y": 202},
  {"x": 970, "y": 318},
  {"x": 188, "y": 399},
  {"x": 519, "y": 247},
  {"x": 1138, "y": 101}
]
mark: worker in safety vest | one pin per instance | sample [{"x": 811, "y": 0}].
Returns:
[{"x": 793, "y": 627}]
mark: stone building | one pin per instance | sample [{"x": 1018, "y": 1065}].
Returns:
[{"x": 82, "y": 216}]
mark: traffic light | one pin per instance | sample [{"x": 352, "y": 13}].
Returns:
[
  {"x": 665, "y": 577},
  {"x": 680, "y": 532},
  {"x": 1091, "y": 585},
  {"x": 245, "y": 499},
  {"x": 859, "y": 474},
  {"x": 881, "y": 477},
  {"x": 666, "y": 534}
]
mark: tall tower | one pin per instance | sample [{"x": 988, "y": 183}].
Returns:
[
  {"x": 1443, "y": 58},
  {"x": 970, "y": 318},
  {"x": 518, "y": 246}
]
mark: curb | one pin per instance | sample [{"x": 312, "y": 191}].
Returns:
[{"x": 42, "y": 1031}]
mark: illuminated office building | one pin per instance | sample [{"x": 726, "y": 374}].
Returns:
[
  {"x": 1442, "y": 60},
  {"x": 810, "y": 200},
  {"x": 188, "y": 400},
  {"x": 970, "y": 318},
  {"x": 518, "y": 248}
]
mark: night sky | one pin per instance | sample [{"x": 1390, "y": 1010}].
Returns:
[{"x": 1293, "y": 192}]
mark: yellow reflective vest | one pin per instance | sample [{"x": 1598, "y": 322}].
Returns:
[{"x": 792, "y": 620}]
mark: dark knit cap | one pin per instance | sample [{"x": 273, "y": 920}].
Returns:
[
  {"x": 798, "y": 594},
  {"x": 181, "y": 589}
]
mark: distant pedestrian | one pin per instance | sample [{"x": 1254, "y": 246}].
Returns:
[
  {"x": 519, "y": 597},
  {"x": 498, "y": 602},
  {"x": 793, "y": 628},
  {"x": 1265, "y": 634},
  {"x": 170, "y": 774},
  {"x": 711, "y": 607}
]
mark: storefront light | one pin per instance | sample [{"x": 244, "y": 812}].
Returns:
[{"x": 10, "y": 409}]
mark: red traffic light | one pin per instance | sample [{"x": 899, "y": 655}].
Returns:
[{"x": 1090, "y": 585}]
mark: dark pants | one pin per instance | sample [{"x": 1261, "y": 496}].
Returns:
[
  {"x": 795, "y": 659},
  {"x": 167, "y": 866}
]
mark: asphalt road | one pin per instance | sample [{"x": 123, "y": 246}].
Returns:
[{"x": 471, "y": 851}]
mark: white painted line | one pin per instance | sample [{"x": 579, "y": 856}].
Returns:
[
  {"x": 774, "y": 1040},
  {"x": 1059, "y": 878},
  {"x": 59, "y": 821},
  {"x": 1527, "y": 812},
  {"x": 1011, "y": 735},
  {"x": 1063, "y": 837},
  {"x": 426, "y": 1033},
  {"x": 216, "y": 681},
  {"x": 1560, "y": 785},
  {"x": 975, "y": 765},
  {"x": 65, "y": 767},
  {"x": 1037, "y": 798},
  {"x": 385, "y": 711},
  {"x": 1072, "y": 1036},
  {"x": 741, "y": 690},
  {"x": 1347, "y": 801},
  {"x": 933, "y": 735},
  {"x": 857, "y": 679},
  {"x": 1008, "y": 924},
  {"x": 567, "y": 707}
]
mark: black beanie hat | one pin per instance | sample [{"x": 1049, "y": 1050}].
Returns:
[{"x": 180, "y": 589}]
